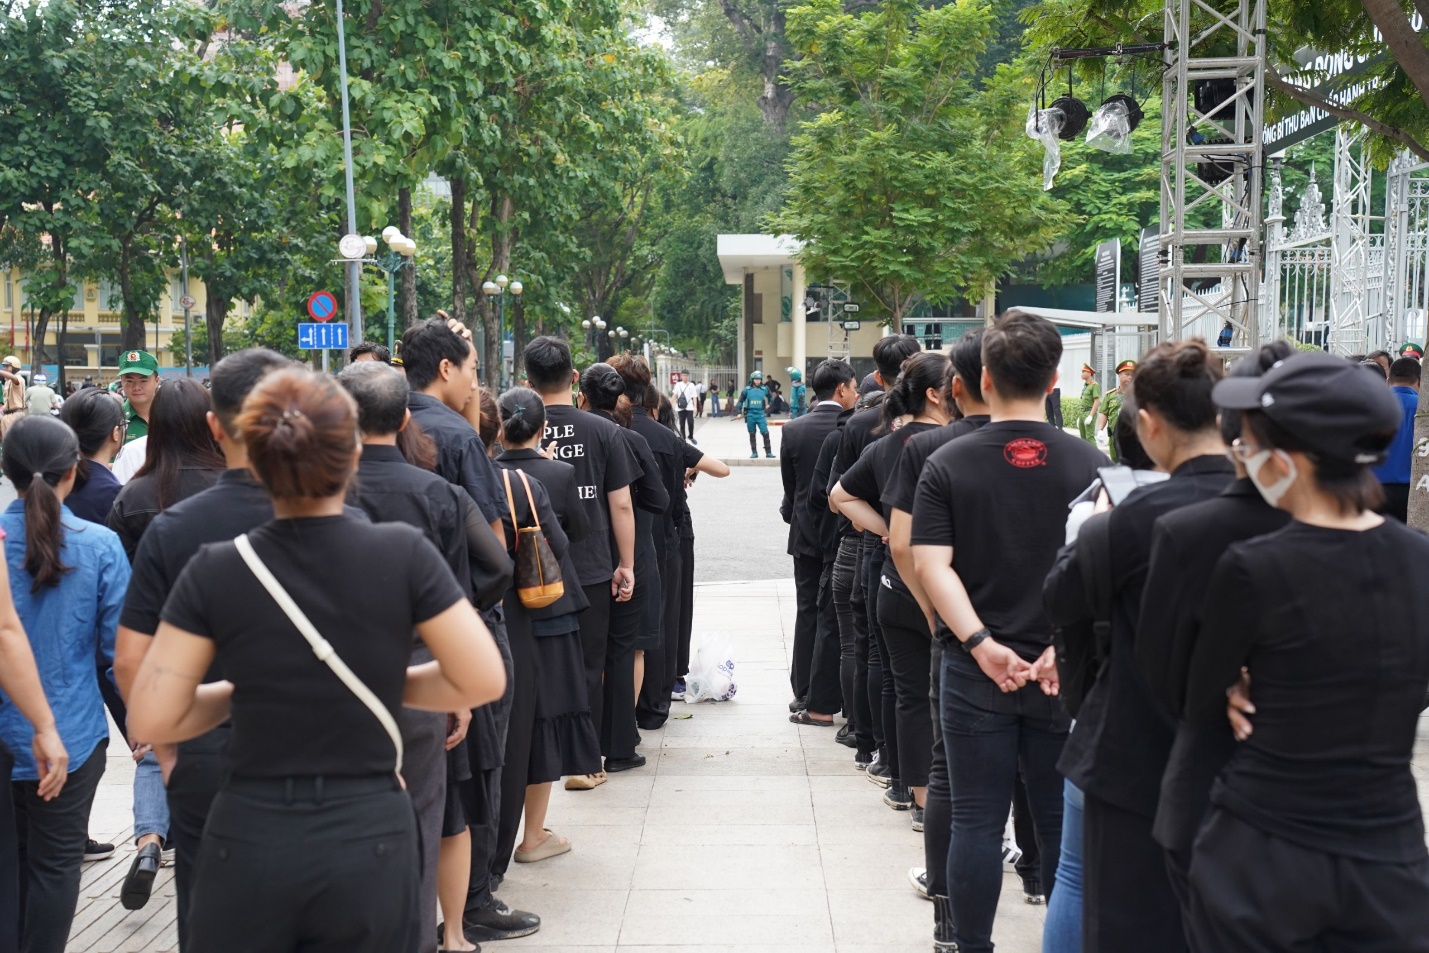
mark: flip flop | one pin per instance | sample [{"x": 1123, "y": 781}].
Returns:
[
  {"x": 801, "y": 717},
  {"x": 553, "y": 846}
]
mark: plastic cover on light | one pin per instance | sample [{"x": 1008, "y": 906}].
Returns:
[
  {"x": 1110, "y": 128},
  {"x": 1045, "y": 125}
]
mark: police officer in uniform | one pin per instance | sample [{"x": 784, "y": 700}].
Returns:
[
  {"x": 754, "y": 404},
  {"x": 798, "y": 394},
  {"x": 1111, "y": 406},
  {"x": 1091, "y": 401}
]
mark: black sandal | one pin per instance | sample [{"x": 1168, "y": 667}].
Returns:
[{"x": 802, "y": 718}]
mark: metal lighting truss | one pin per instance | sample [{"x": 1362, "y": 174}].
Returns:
[
  {"x": 1212, "y": 167},
  {"x": 1350, "y": 247}
]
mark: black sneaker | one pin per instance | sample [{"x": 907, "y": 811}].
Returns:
[
  {"x": 879, "y": 774},
  {"x": 94, "y": 850},
  {"x": 845, "y": 736},
  {"x": 898, "y": 797},
  {"x": 917, "y": 819},
  {"x": 861, "y": 760},
  {"x": 1032, "y": 892},
  {"x": 918, "y": 877},
  {"x": 497, "y": 921},
  {"x": 621, "y": 764},
  {"x": 139, "y": 882}
]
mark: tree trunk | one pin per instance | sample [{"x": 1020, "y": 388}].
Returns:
[
  {"x": 458, "y": 232},
  {"x": 1419, "y": 465},
  {"x": 518, "y": 339},
  {"x": 776, "y": 99},
  {"x": 1406, "y": 46},
  {"x": 501, "y": 209},
  {"x": 131, "y": 324},
  {"x": 61, "y": 340},
  {"x": 37, "y": 338},
  {"x": 407, "y": 292},
  {"x": 215, "y": 310}
]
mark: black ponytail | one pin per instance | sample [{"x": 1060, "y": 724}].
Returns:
[
  {"x": 924, "y": 371},
  {"x": 523, "y": 415},
  {"x": 602, "y": 386},
  {"x": 39, "y": 453}
]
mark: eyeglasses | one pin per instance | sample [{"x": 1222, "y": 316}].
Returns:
[{"x": 1243, "y": 451}]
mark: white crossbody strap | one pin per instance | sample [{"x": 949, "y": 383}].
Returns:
[{"x": 321, "y": 647}]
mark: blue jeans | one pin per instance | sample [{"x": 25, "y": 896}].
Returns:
[
  {"x": 988, "y": 735},
  {"x": 151, "y": 804},
  {"x": 1062, "y": 932}
]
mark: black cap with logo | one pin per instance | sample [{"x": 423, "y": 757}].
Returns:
[{"x": 1333, "y": 406}]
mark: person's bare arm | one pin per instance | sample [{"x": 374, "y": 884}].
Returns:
[
  {"x": 900, "y": 531},
  {"x": 130, "y": 647},
  {"x": 860, "y": 511},
  {"x": 933, "y": 565},
  {"x": 468, "y": 671},
  {"x": 20, "y": 679},
  {"x": 622, "y": 524},
  {"x": 708, "y": 464},
  {"x": 168, "y": 701}
]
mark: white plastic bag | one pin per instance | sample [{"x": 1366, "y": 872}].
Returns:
[
  {"x": 1045, "y": 125},
  {"x": 1110, "y": 128},
  {"x": 711, "y": 675}
]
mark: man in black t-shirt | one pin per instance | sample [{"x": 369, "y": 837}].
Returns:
[
  {"x": 229, "y": 508},
  {"x": 988, "y": 519},
  {"x": 441, "y": 370},
  {"x": 605, "y": 469}
]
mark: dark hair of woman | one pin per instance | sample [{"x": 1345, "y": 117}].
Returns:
[
  {"x": 523, "y": 415},
  {"x": 92, "y": 414},
  {"x": 1352, "y": 486},
  {"x": 39, "y": 453},
  {"x": 1129, "y": 450},
  {"x": 636, "y": 374},
  {"x": 1174, "y": 379},
  {"x": 965, "y": 360},
  {"x": 602, "y": 386},
  {"x": 924, "y": 371},
  {"x": 1253, "y": 366},
  {"x": 179, "y": 437},
  {"x": 490, "y": 418},
  {"x": 666, "y": 413},
  {"x": 300, "y": 431},
  {"x": 417, "y": 446}
]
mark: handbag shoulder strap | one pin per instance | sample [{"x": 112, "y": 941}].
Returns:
[
  {"x": 530, "y": 500},
  {"x": 321, "y": 647},
  {"x": 511, "y": 508}
]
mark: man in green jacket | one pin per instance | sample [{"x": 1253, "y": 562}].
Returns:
[{"x": 1090, "y": 404}]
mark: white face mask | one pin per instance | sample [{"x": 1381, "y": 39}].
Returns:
[{"x": 1273, "y": 493}]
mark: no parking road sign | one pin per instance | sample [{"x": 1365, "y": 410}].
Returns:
[{"x": 322, "y": 306}]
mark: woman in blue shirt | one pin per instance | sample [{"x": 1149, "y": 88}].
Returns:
[{"x": 67, "y": 579}]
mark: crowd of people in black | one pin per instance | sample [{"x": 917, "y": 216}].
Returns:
[
  {"x": 354, "y": 628},
  {"x": 1180, "y": 695}
]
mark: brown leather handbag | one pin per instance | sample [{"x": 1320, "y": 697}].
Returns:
[{"x": 538, "y": 571}]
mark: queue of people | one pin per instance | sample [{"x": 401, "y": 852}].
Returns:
[
  {"x": 364, "y": 620},
  {"x": 1177, "y": 695}
]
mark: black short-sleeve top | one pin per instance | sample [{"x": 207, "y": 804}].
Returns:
[{"x": 292, "y": 716}]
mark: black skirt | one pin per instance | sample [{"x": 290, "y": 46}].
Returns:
[{"x": 564, "y": 740}]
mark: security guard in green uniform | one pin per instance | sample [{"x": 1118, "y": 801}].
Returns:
[
  {"x": 1112, "y": 404},
  {"x": 798, "y": 394},
  {"x": 139, "y": 376},
  {"x": 1412, "y": 350},
  {"x": 1090, "y": 404},
  {"x": 754, "y": 404}
]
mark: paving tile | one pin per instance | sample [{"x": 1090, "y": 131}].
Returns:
[{"x": 672, "y": 866}]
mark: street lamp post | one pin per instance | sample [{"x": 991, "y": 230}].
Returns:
[
  {"x": 399, "y": 255},
  {"x": 498, "y": 290}
]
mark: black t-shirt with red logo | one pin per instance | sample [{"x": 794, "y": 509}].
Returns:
[{"x": 999, "y": 498}]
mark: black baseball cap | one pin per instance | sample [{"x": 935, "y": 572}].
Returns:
[{"x": 1331, "y": 405}]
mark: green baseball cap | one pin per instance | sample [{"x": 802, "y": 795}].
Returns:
[{"x": 138, "y": 362}]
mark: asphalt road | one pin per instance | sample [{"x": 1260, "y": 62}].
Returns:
[{"x": 738, "y": 533}]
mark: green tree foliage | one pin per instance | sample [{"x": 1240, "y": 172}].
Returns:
[{"x": 914, "y": 182}]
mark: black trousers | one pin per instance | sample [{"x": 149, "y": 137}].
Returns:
[
  {"x": 196, "y": 780},
  {"x": 881, "y": 693},
  {"x": 618, "y": 735},
  {"x": 868, "y": 730},
  {"x": 1029, "y": 865},
  {"x": 518, "y": 733},
  {"x": 845, "y": 570},
  {"x": 318, "y": 865},
  {"x": 807, "y": 571},
  {"x": 687, "y": 423},
  {"x": 50, "y": 837},
  {"x": 938, "y": 803},
  {"x": 1255, "y": 893},
  {"x": 484, "y": 808},
  {"x": 112, "y": 699},
  {"x": 687, "y": 605},
  {"x": 595, "y": 636},
  {"x": 1127, "y": 902},
  {"x": 825, "y": 692},
  {"x": 905, "y": 633},
  {"x": 653, "y": 706}
]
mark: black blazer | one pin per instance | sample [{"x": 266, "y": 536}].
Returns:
[{"x": 798, "y": 455}]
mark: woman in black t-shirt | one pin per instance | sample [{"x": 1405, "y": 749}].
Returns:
[
  {"x": 311, "y": 763},
  {"x": 919, "y": 392},
  {"x": 1315, "y": 839},
  {"x": 561, "y": 737}
]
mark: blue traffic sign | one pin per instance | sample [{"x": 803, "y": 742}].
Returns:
[
  {"x": 321, "y": 305},
  {"x": 322, "y": 337}
]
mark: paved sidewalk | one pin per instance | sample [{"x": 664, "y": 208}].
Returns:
[{"x": 728, "y": 440}]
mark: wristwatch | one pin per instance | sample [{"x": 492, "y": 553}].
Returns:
[{"x": 976, "y": 639}]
